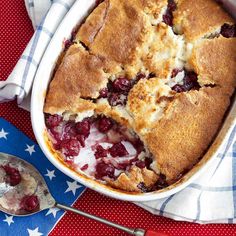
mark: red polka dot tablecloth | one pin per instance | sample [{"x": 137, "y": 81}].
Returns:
[{"x": 15, "y": 32}]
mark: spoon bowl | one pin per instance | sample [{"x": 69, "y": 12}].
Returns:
[{"x": 30, "y": 189}]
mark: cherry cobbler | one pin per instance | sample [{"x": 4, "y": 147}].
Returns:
[{"x": 141, "y": 90}]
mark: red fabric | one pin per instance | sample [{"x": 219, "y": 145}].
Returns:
[{"x": 15, "y": 31}]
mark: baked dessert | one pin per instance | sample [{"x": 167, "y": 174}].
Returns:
[{"x": 141, "y": 91}]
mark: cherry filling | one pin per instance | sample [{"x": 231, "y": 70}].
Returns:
[
  {"x": 121, "y": 85},
  {"x": 104, "y": 170},
  {"x": 104, "y": 124},
  {"x": 83, "y": 128},
  {"x": 30, "y": 203},
  {"x": 70, "y": 41},
  {"x": 160, "y": 184},
  {"x": 228, "y": 31},
  {"x": 13, "y": 176},
  {"x": 175, "y": 72},
  {"x": 118, "y": 149},
  {"x": 70, "y": 147},
  {"x": 114, "y": 148},
  {"x": 189, "y": 81},
  {"x": 140, "y": 76},
  {"x": 100, "y": 152},
  {"x": 168, "y": 16},
  {"x": 117, "y": 90},
  {"x": 54, "y": 120},
  {"x": 98, "y": 2},
  {"x": 103, "y": 93}
]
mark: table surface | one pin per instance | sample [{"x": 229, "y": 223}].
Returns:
[{"x": 16, "y": 30}]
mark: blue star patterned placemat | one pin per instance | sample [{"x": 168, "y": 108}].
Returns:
[{"x": 63, "y": 189}]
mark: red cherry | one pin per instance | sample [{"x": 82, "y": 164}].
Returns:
[
  {"x": 121, "y": 84},
  {"x": 190, "y": 81},
  {"x": 81, "y": 139},
  {"x": 13, "y": 175},
  {"x": 140, "y": 164},
  {"x": 100, "y": 152},
  {"x": 103, "y": 169},
  {"x": 168, "y": 16},
  {"x": 104, "y": 124},
  {"x": 84, "y": 167},
  {"x": 103, "y": 93},
  {"x": 30, "y": 203},
  {"x": 70, "y": 147},
  {"x": 68, "y": 43},
  {"x": 83, "y": 128},
  {"x": 69, "y": 131},
  {"x": 53, "y": 121},
  {"x": 140, "y": 76},
  {"x": 115, "y": 99},
  {"x": 178, "y": 88},
  {"x": 228, "y": 31},
  {"x": 118, "y": 149}
]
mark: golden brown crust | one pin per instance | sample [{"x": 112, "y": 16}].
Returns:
[
  {"x": 118, "y": 42},
  {"x": 214, "y": 60},
  {"x": 130, "y": 181},
  {"x": 196, "y": 19},
  {"x": 153, "y": 7},
  {"x": 93, "y": 25},
  {"x": 144, "y": 99},
  {"x": 182, "y": 136},
  {"x": 72, "y": 80}
]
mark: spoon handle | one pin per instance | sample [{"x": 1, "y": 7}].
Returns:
[{"x": 137, "y": 232}]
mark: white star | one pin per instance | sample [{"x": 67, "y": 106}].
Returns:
[
  {"x": 3, "y": 134},
  {"x": 34, "y": 232},
  {"x": 30, "y": 149},
  {"x": 53, "y": 211},
  {"x": 50, "y": 174},
  {"x": 72, "y": 186},
  {"x": 9, "y": 220}
]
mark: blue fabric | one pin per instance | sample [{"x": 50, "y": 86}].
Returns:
[{"x": 13, "y": 141}]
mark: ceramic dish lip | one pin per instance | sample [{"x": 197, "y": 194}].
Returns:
[{"x": 76, "y": 14}]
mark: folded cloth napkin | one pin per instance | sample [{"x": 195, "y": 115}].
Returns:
[
  {"x": 13, "y": 141},
  {"x": 210, "y": 199}
]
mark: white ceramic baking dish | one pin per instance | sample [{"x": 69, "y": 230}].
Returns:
[{"x": 77, "y": 13}]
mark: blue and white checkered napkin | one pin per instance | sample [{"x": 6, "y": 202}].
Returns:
[
  {"x": 63, "y": 189},
  {"x": 19, "y": 82},
  {"x": 210, "y": 199}
]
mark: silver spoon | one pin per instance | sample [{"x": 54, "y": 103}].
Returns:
[{"x": 14, "y": 194}]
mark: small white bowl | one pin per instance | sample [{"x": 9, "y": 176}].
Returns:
[{"x": 73, "y": 18}]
